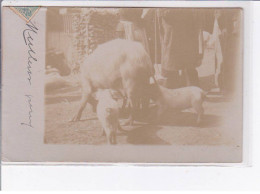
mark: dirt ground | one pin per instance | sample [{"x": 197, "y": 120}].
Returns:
[{"x": 177, "y": 128}]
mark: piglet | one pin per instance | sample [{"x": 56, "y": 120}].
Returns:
[
  {"x": 178, "y": 99},
  {"x": 108, "y": 114}
]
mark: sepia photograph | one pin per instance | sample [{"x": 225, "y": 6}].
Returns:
[
  {"x": 164, "y": 92},
  {"x": 144, "y": 76}
]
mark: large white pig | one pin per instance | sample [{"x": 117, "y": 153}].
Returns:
[{"x": 119, "y": 64}]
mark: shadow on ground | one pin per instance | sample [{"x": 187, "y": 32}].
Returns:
[
  {"x": 181, "y": 119},
  {"x": 145, "y": 134},
  {"x": 145, "y": 131}
]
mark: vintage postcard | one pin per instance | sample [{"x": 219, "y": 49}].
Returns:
[{"x": 123, "y": 84}]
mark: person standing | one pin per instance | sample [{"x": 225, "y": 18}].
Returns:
[
  {"x": 182, "y": 44},
  {"x": 229, "y": 23},
  {"x": 131, "y": 26}
]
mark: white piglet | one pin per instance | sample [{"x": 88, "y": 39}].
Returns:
[
  {"x": 178, "y": 99},
  {"x": 108, "y": 114}
]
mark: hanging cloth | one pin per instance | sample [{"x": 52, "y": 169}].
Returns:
[{"x": 218, "y": 50}]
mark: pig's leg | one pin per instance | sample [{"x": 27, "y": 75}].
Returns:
[
  {"x": 125, "y": 101},
  {"x": 129, "y": 89},
  {"x": 130, "y": 119},
  {"x": 199, "y": 109},
  {"x": 106, "y": 132},
  {"x": 145, "y": 100},
  {"x": 93, "y": 102},
  {"x": 125, "y": 104},
  {"x": 200, "y": 114},
  {"x": 145, "y": 97},
  {"x": 83, "y": 103},
  {"x": 133, "y": 109},
  {"x": 86, "y": 97},
  {"x": 111, "y": 137},
  {"x": 113, "y": 134}
]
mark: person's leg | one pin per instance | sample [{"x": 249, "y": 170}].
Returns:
[
  {"x": 192, "y": 78},
  {"x": 167, "y": 61}
]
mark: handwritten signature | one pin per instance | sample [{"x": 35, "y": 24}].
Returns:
[
  {"x": 29, "y": 101},
  {"x": 28, "y": 40}
]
